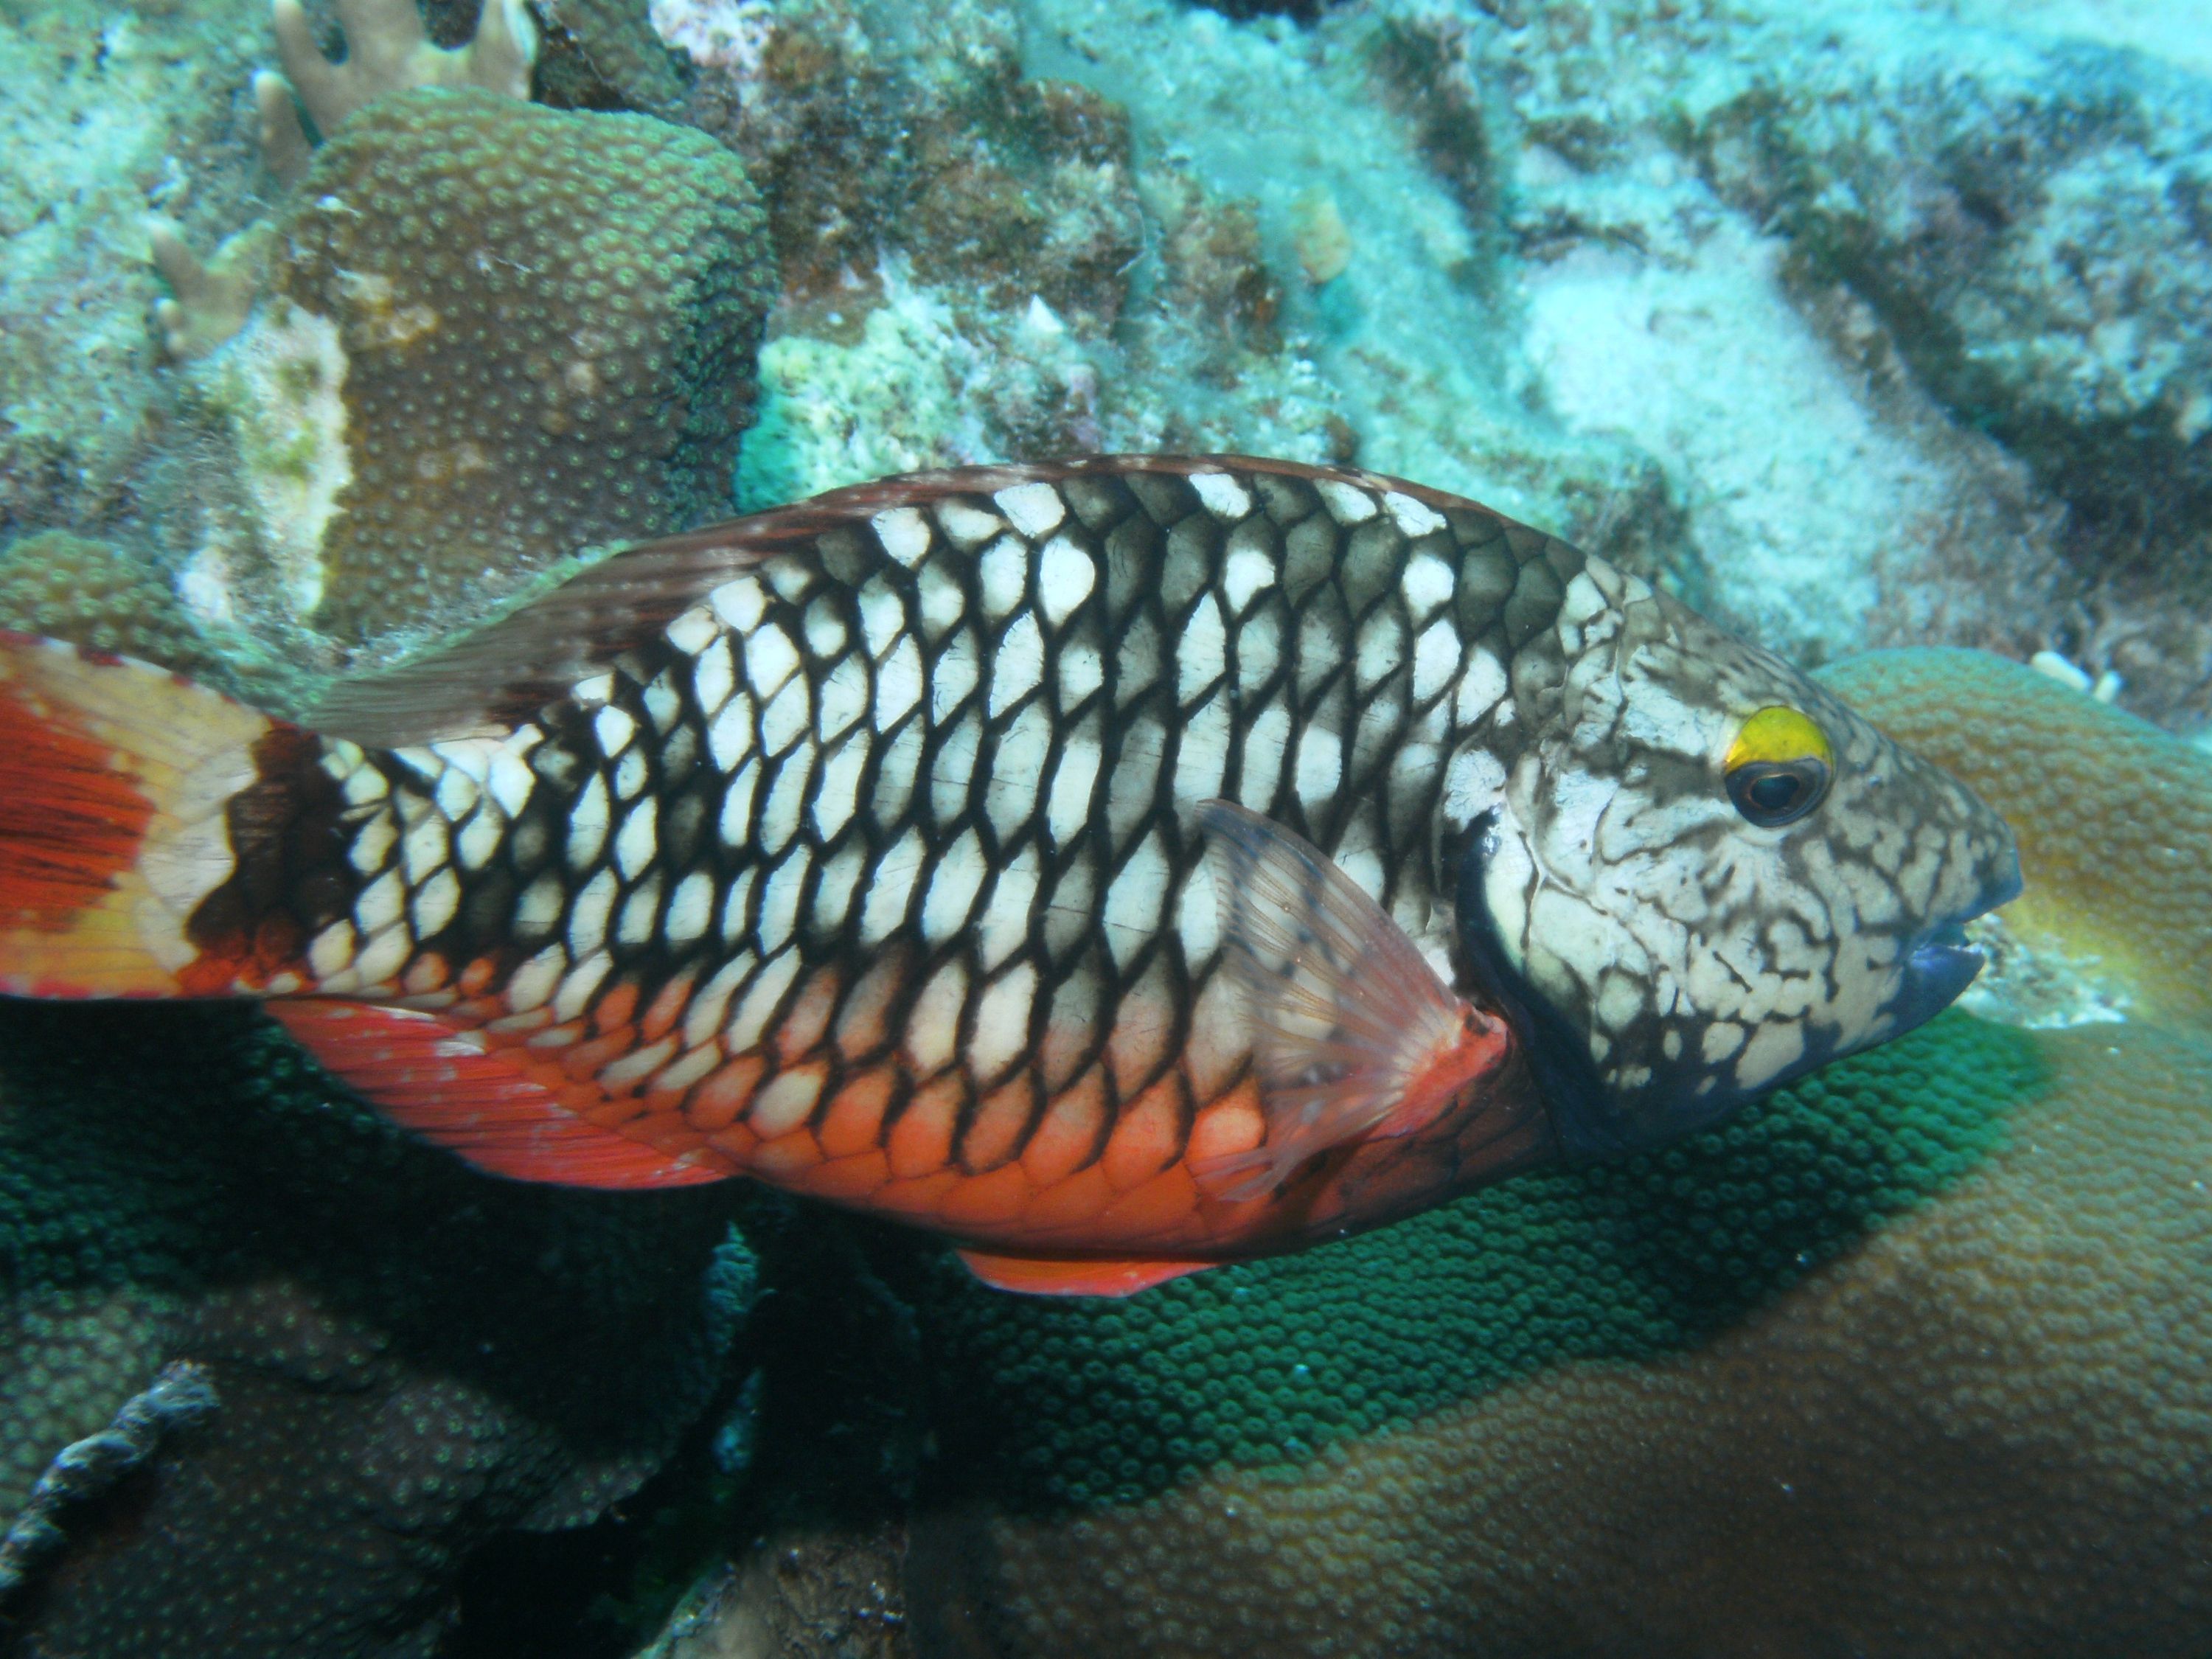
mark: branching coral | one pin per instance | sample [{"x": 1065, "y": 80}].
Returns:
[
  {"x": 387, "y": 50},
  {"x": 209, "y": 299}
]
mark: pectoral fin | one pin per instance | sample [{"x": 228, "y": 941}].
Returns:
[{"x": 1354, "y": 1035}]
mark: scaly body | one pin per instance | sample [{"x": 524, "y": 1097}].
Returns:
[{"x": 869, "y": 863}]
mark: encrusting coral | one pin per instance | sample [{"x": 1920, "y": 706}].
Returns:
[
  {"x": 91, "y": 593},
  {"x": 1979, "y": 1433},
  {"x": 387, "y": 50},
  {"x": 406, "y": 1358},
  {"x": 605, "y": 54}
]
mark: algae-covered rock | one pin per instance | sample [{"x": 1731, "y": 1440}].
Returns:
[
  {"x": 101, "y": 103},
  {"x": 1005, "y": 235},
  {"x": 1915, "y": 306}
]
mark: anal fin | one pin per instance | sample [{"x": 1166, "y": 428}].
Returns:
[
  {"x": 439, "y": 1081},
  {"x": 1038, "y": 1275}
]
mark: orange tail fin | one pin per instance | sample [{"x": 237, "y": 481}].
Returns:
[{"x": 114, "y": 776}]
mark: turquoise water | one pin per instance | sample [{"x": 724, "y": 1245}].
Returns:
[{"x": 330, "y": 334}]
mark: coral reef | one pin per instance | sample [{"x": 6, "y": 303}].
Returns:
[
  {"x": 1960, "y": 252},
  {"x": 72, "y": 1360},
  {"x": 1853, "y": 323},
  {"x": 95, "y": 594},
  {"x": 178, "y": 1397},
  {"x": 1898, "y": 1457},
  {"x": 408, "y": 1358},
  {"x": 1630, "y": 1260},
  {"x": 1067, "y": 276},
  {"x": 101, "y": 105},
  {"x": 1554, "y": 257},
  {"x": 387, "y": 50},
  {"x": 398, "y": 452},
  {"x": 604, "y": 54}
]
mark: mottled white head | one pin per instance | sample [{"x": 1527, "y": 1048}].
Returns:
[{"x": 1699, "y": 875}]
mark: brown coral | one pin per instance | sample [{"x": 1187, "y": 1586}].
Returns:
[
  {"x": 540, "y": 327},
  {"x": 604, "y": 54},
  {"x": 387, "y": 50},
  {"x": 1978, "y": 1435},
  {"x": 406, "y": 1359},
  {"x": 92, "y": 593}
]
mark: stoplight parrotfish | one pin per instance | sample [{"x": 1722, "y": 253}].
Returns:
[{"x": 1120, "y": 865}]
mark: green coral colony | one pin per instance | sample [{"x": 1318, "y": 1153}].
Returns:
[{"x": 1854, "y": 326}]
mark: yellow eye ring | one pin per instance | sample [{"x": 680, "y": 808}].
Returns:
[{"x": 1780, "y": 767}]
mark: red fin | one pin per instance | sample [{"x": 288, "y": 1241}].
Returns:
[
  {"x": 443, "y": 1084},
  {"x": 113, "y": 778},
  {"x": 1035, "y": 1275},
  {"x": 1355, "y": 1035},
  {"x": 72, "y": 813}
]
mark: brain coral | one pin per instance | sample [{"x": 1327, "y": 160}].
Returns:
[
  {"x": 407, "y": 1358},
  {"x": 1910, "y": 1358},
  {"x": 491, "y": 333}
]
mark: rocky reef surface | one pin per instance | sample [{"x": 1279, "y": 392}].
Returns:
[
  {"x": 1858, "y": 325},
  {"x": 1862, "y": 325}
]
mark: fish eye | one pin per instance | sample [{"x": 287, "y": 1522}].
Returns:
[{"x": 1780, "y": 767}]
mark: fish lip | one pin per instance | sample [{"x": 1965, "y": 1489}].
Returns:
[
  {"x": 1936, "y": 973},
  {"x": 1940, "y": 964}
]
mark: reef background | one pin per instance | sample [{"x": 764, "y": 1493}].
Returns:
[{"x": 1857, "y": 325}]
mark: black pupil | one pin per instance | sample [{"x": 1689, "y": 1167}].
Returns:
[{"x": 1778, "y": 792}]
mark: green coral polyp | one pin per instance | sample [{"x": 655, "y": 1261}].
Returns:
[{"x": 1272, "y": 1362}]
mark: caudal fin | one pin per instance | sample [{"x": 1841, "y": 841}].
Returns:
[{"x": 114, "y": 776}]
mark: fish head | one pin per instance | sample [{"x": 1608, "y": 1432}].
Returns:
[{"x": 1699, "y": 875}]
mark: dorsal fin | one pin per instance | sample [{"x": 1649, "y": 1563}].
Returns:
[
  {"x": 1354, "y": 1036},
  {"x": 482, "y": 682}
]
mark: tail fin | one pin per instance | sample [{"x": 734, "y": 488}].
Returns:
[{"x": 113, "y": 779}]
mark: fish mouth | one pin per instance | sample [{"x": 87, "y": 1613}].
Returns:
[
  {"x": 1939, "y": 968},
  {"x": 1941, "y": 964}
]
